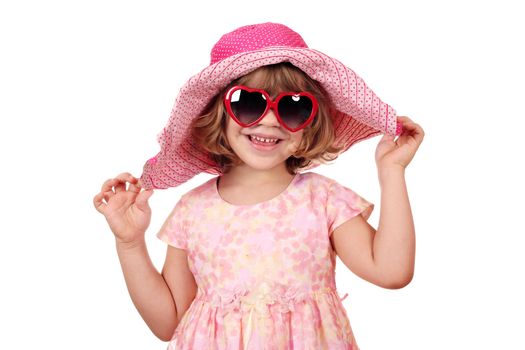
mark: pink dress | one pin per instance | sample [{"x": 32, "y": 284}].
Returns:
[{"x": 265, "y": 272}]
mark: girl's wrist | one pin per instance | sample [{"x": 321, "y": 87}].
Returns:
[
  {"x": 129, "y": 245},
  {"x": 390, "y": 172}
]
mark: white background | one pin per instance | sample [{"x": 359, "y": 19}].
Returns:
[{"x": 85, "y": 87}]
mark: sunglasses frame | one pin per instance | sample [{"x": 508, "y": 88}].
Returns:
[{"x": 270, "y": 104}]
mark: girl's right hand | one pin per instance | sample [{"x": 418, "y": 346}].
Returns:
[{"x": 127, "y": 211}]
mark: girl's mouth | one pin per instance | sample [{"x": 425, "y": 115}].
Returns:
[{"x": 263, "y": 145}]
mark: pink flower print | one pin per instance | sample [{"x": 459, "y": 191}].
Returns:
[
  {"x": 226, "y": 275},
  {"x": 284, "y": 233},
  {"x": 317, "y": 267},
  {"x": 266, "y": 245},
  {"x": 200, "y": 256},
  {"x": 312, "y": 239},
  {"x": 206, "y": 205},
  {"x": 200, "y": 341},
  {"x": 216, "y": 231},
  {"x": 304, "y": 259},
  {"x": 224, "y": 267},
  {"x": 240, "y": 211},
  {"x": 301, "y": 267},
  {"x": 301, "y": 216},
  {"x": 244, "y": 276},
  {"x": 300, "y": 255},
  {"x": 227, "y": 238},
  {"x": 213, "y": 279},
  {"x": 262, "y": 244},
  {"x": 275, "y": 214},
  {"x": 250, "y": 214},
  {"x": 282, "y": 208}
]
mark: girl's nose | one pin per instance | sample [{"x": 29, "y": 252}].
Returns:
[{"x": 269, "y": 119}]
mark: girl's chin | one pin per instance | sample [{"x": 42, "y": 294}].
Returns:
[{"x": 261, "y": 163}]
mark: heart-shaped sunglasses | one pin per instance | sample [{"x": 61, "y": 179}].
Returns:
[{"x": 294, "y": 110}]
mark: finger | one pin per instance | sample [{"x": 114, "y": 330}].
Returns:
[
  {"x": 402, "y": 123},
  {"x": 121, "y": 178},
  {"x": 119, "y": 187},
  {"x": 108, "y": 195},
  {"x": 113, "y": 184},
  {"x": 404, "y": 119},
  {"x": 387, "y": 138},
  {"x": 124, "y": 175},
  {"x": 142, "y": 200},
  {"x": 108, "y": 185},
  {"x": 414, "y": 136},
  {"x": 410, "y": 128},
  {"x": 407, "y": 123},
  {"x": 127, "y": 177},
  {"x": 98, "y": 203},
  {"x": 134, "y": 188},
  {"x": 418, "y": 134}
]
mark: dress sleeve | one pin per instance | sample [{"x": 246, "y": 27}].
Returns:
[
  {"x": 343, "y": 204},
  {"x": 173, "y": 232}
]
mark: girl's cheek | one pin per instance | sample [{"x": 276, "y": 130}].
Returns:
[{"x": 293, "y": 146}]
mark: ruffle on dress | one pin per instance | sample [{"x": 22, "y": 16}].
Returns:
[
  {"x": 241, "y": 299},
  {"x": 270, "y": 317}
]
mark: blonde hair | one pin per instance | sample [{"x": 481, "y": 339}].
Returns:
[{"x": 317, "y": 143}]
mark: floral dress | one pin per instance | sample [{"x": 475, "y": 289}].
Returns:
[{"x": 265, "y": 272}]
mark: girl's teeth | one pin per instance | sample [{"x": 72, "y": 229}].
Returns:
[{"x": 264, "y": 140}]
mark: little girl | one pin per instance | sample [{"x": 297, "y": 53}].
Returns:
[{"x": 251, "y": 252}]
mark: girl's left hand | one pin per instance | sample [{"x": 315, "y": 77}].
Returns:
[{"x": 398, "y": 153}]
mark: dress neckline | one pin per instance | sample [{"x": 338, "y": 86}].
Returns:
[{"x": 282, "y": 193}]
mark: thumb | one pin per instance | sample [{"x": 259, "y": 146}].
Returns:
[
  {"x": 142, "y": 200},
  {"x": 387, "y": 138}
]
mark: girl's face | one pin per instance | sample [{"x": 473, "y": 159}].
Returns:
[{"x": 261, "y": 154}]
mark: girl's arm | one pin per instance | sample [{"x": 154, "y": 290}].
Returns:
[
  {"x": 148, "y": 289},
  {"x": 385, "y": 257},
  {"x": 394, "y": 242},
  {"x": 126, "y": 209}
]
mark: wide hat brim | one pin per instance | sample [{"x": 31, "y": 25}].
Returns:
[{"x": 359, "y": 115}]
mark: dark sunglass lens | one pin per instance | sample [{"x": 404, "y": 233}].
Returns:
[
  {"x": 247, "y": 106},
  {"x": 295, "y": 110}
]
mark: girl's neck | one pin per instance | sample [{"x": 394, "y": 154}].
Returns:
[
  {"x": 247, "y": 177},
  {"x": 248, "y": 186}
]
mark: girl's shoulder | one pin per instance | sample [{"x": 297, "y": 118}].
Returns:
[
  {"x": 204, "y": 190},
  {"x": 317, "y": 186},
  {"x": 317, "y": 181},
  {"x": 322, "y": 187}
]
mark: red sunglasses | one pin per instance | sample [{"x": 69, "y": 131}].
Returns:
[{"x": 294, "y": 110}]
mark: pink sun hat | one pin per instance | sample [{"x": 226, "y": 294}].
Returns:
[{"x": 359, "y": 114}]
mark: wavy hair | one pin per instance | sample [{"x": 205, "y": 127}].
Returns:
[{"x": 318, "y": 140}]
